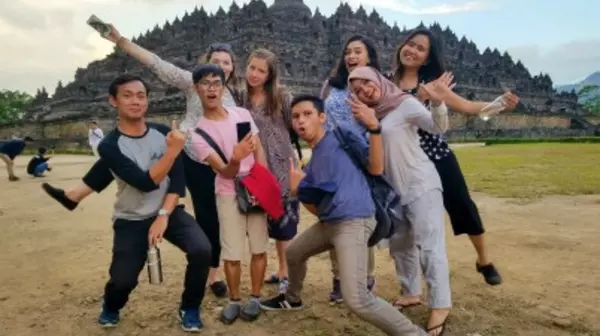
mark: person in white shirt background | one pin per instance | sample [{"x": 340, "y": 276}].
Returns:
[{"x": 95, "y": 135}]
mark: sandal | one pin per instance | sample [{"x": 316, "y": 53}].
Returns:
[{"x": 441, "y": 326}]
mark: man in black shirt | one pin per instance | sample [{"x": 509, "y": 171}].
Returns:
[{"x": 9, "y": 151}]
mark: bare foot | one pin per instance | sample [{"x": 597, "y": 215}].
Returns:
[
  {"x": 407, "y": 301},
  {"x": 437, "y": 322}
]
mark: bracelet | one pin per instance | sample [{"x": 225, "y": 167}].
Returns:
[{"x": 376, "y": 130}]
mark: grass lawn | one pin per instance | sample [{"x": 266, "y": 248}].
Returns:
[{"x": 532, "y": 170}]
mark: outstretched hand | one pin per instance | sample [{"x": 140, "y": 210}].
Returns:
[
  {"x": 114, "y": 36},
  {"x": 176, "y": 139},
  {"x": 436, "y": 90},
  {"x": 296, "y": 175},
  {"x": 510, "y": 101}
]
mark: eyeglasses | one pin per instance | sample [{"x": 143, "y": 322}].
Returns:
[
  {"x": 211, "y": 84},
  {"x": 219, "y": 47}
]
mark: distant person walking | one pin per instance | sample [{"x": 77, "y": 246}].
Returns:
[
  {"x": 9, "y": 151},
  {"x": 95, "y": 135}
]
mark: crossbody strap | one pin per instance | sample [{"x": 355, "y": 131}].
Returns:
[{"x": 212, "y": 144}]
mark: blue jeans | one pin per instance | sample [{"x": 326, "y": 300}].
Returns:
[{"x": 40, "y": 169}]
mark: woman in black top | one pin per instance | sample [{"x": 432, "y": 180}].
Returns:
[{"x": 419, "y": 61}]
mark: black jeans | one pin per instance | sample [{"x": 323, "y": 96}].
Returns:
[
  {"x": 200, "y": 181},
  {"x": 130, "y": 249}
]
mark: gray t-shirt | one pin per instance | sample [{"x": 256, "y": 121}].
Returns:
[
  {"x": 129, "y": 159},
  {"x": 407, "y": 167}
]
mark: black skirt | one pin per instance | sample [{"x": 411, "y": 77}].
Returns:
[{"x": 463, "y": 213}]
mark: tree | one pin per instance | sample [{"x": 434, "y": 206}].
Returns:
[
  {"x": 590, "y": 95},
  {"x": 13, "y": 105}
]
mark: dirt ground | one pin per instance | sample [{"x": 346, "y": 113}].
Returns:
[{"x": 54, "y": 265}]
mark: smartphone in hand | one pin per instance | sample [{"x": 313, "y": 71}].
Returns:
[
  {"x": 99, "y": 25},
  {"x": 243, "y": 129}
]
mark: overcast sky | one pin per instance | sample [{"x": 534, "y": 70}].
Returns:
[{"x": 43, "y": 41}]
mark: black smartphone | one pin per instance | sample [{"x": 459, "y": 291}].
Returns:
[{"x": 243, "y": 129}]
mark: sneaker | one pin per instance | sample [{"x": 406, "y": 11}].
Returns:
[
  {"x": 251, "y": 310},
  {"x": 280, "y": 303},
  {"x": 109, "y": 319},
  {"x": 335, "y": 296},
  {"x": 219, "y": 288},
  {"x": 490, "y": 274},
  {"x": 59, "y": 196},
  {"x": 370, "y": 283},
  {"x": 190, "y": 320},
  {"x": 231, "y": 312},
  {"x": 283, "y": 285}
]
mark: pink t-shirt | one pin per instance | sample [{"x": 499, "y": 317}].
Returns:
[{"x": 224, "y": 133}]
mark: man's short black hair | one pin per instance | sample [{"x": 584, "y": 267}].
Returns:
[
  {"x": 316, "y": 101},
  {"x": 28, "y": 138},
  {"x": 113, "y": 88},
  {"x": 42, "y": 150},
  {"x": 207, "y": 69}
]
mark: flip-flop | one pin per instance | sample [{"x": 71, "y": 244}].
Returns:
[
  {"x": 273, "y": 280},
  {"x": 441, "y": 325}
]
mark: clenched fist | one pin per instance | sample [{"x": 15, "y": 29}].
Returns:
[{"x": 176, "y": 139}]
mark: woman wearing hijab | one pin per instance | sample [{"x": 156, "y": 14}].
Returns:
[{"x": 420, "y": 238}]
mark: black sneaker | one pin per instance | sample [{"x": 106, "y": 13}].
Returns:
[
  {"x": 59, "y": 196},
  {"x": 280, "y": 303},
  {"x": 335, "y": 297},
  {"x": 490, "y": 274}
]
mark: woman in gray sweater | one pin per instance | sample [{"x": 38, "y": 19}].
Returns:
[{"x": 420, "y": 238}]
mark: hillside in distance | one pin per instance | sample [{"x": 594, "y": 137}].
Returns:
[{"x": 593, "y": 79}]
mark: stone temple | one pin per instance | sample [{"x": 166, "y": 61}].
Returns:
[{"x": 308, "y": 45}]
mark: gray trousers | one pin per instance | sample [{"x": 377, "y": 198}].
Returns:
[
  {"x": 421, "y": 240},
  {"x": 10, "y": 164},
  {"x": 349, "y": 239},
  {"x": 336, "y": 270}
]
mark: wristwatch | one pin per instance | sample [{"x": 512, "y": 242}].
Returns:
[
  {"x": 376, "y": 130},
  {"x": 163, "y": 213}
]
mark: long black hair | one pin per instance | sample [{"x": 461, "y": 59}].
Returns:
[
  {"x": 434, "y": 66},
  {"x": 339, "y": 76}
]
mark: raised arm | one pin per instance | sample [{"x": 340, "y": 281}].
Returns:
[
  {"x": 167, "y": 72},
  {"x": 435, "y": 122},
  {"x": 130, "y": 172}
]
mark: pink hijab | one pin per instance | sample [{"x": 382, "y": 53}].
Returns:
[{"x": 391, "y": 95}]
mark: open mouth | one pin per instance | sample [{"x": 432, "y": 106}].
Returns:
[
  {"x": 211, "y": 96},
  {"x": 409, "y": 57},
  {"x": 301, "y": 130},
  {"x": 352, "y": 65}
]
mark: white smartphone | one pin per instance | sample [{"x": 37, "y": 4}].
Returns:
[{"x": 99, "y": 25}]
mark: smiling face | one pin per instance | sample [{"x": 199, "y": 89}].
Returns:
[
  {"x": 257, "y": 72},
  {"x": 415, "y": 51},
  {"x": 131, "y": 100},
  {"x": 356, "y": 55},
  {"x": 223, "y": 60},
  {"x": 365, "y": 90},
  {"x": 210, "y": 91}
]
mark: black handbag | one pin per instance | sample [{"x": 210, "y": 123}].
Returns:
[{"x": 247, "y": 203}]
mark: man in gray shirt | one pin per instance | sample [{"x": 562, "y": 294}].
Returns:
[{"x": 144, "y": 159}]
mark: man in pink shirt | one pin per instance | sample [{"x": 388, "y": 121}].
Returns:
[{"x": 220, "y": 124}]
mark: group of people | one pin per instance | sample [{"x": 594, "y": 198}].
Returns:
[
  {"x": 38, "y": 164},
  {"x": 398, "y": 120}
]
